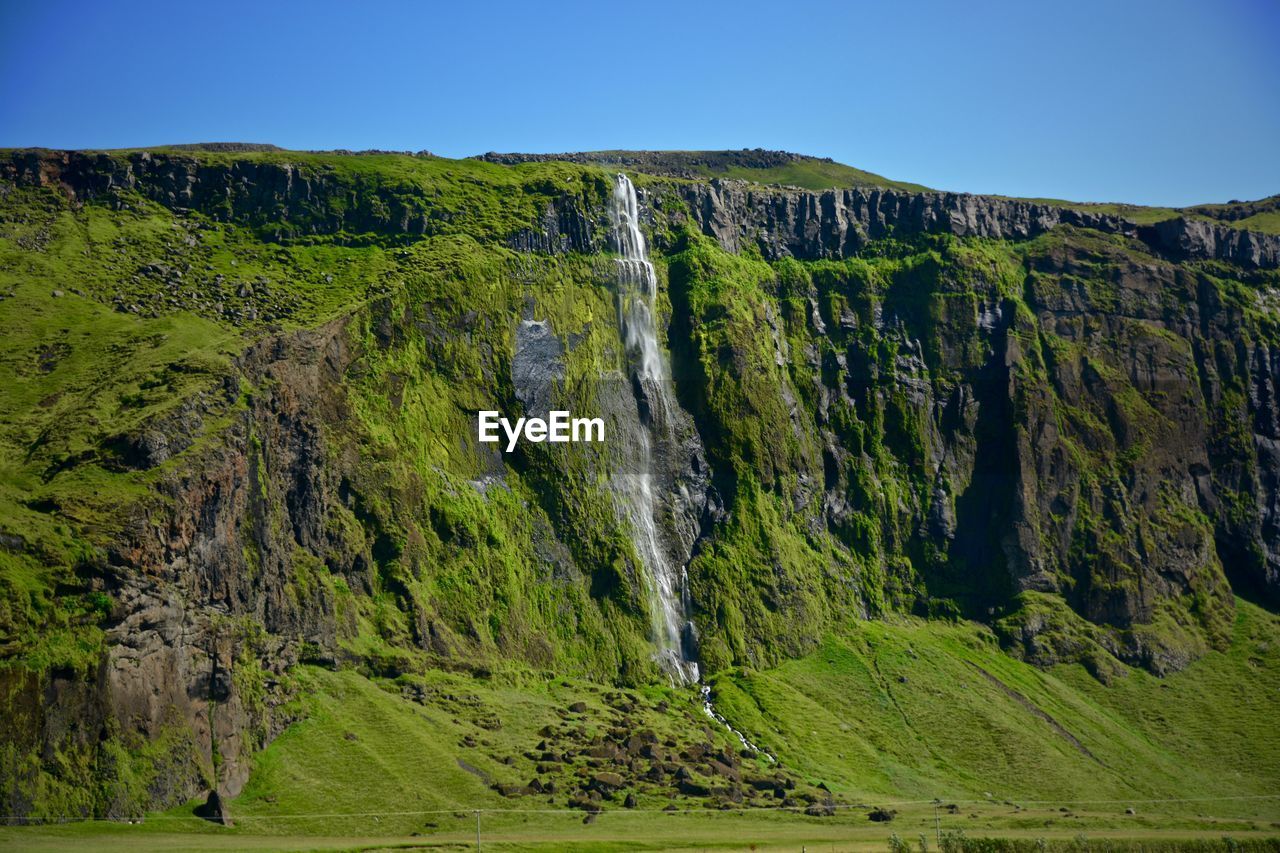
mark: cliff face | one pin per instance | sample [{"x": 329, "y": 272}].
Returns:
[
  {"x": 289, "y": 200},
  {"x": 206, "y": 614},
  {"x": 840, "y": 223},
  {"x": 1093, "y": 421},
  {"x": 241, "y": 436},
  {"x": 379, "y": 202},
  {"x": 1074, "y": 417}
]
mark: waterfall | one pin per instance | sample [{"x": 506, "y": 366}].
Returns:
[{"x": 665, "y": 581}]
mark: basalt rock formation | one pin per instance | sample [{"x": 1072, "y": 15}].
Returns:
[{"x": 840, "y": 223}]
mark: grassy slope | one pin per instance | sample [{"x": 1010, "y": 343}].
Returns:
[
  {"x": 815, "y": 175},
  {"x": 1260, "y": 215},
  {"x": 73, "y": 372},
  {"x": 1026, "y": 831},
  {"x": 375, "y": 765},
  {"x": 808, "y": 172},
  {"x": 1267, "y": 223},
  {"x": 915, "y": 710},
  {"x": 881, "y": 712}
]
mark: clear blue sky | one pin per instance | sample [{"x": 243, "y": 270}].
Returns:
[{"x": 1149, "y": 101}]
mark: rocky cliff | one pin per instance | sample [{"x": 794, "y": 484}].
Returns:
[
  {"x": 840, "y": 223},
  {"x": 290, "y": 200},
  {"x": 239, "y": 436}
]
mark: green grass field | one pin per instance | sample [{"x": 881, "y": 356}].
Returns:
[{"x": 1078, "y": 830}]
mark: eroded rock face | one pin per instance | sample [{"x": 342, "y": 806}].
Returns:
[
  {"x": 839, "y": 223},
  {"x": 1188, "y": 238},
  {"x": 566, "y": 225},
  {"x": 206, "y": 603},
  {"x": 279, "y": 193},
  {"x": 537, "y": 367},
  {"x": 1069, "y": 438},
  {"x": 285, "y": 200}
]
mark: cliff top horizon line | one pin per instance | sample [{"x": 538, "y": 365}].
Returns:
[{"x": 756, "y": 165}]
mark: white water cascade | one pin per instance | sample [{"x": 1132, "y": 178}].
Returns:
[
  {"x": 666, "y": 581},
  {"x": 637, "y": 290}
]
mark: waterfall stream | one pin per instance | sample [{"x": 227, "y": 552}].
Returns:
[{"x": 666, "y": 581}]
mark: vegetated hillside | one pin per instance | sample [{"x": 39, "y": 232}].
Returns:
[
  {"x": 757, "y": 165},
  {"x": 241, "y": 487},
  {"x": 1261, "y": 215}
]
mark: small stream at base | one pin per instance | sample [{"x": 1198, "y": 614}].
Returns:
[{"x": 709, "y": 709}]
